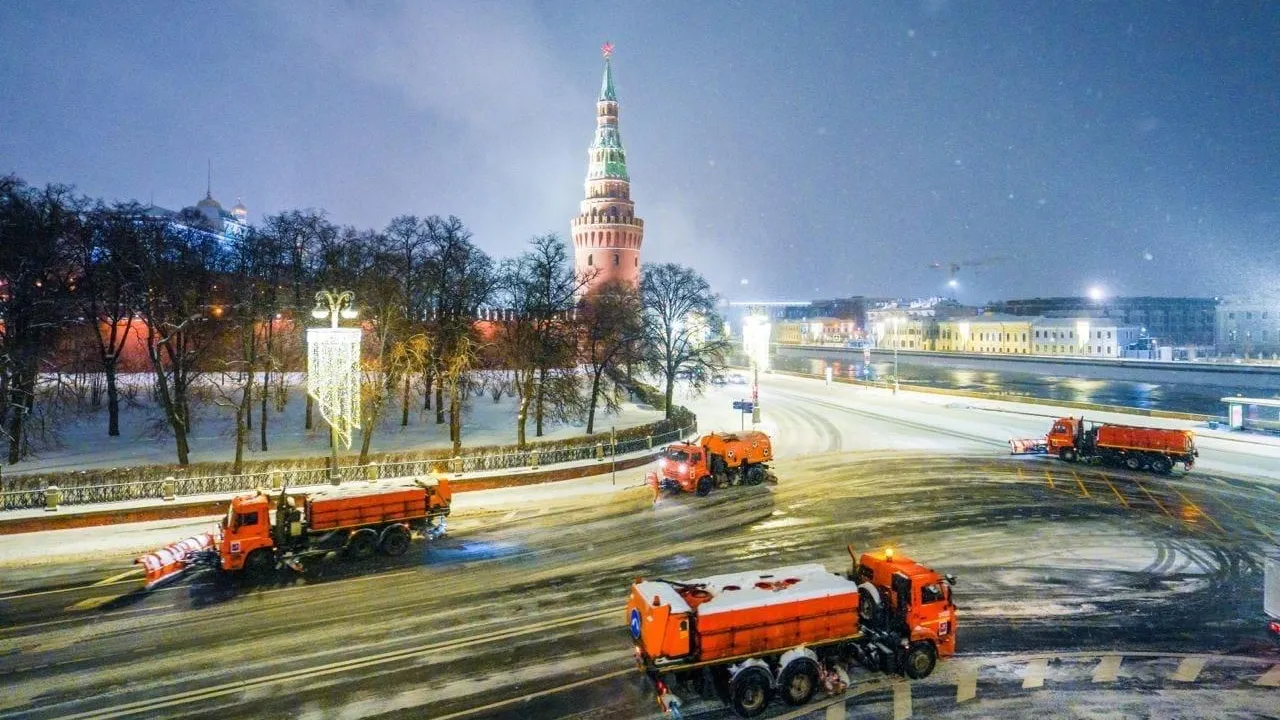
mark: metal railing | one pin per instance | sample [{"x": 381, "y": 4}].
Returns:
[{"x": 170, "y": 488}]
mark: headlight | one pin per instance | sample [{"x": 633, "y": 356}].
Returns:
[
  {"x": 683, "y": 468},
  {"x": 662, "y": 462}
]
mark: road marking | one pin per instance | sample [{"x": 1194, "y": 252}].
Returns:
[
  {"x": 1120, "y": 497},
  {"x": 1020, "y": 475},
  {"x": 1108, "y": 669},
  {"x": 92, "y": 603},
  {"x": 1189, "y": 669},
  {"x": 1270, "y": 678},
  {"x": 76, "y": 588},
  {"x": 100, "y": 618},
  {"x": 1199, "y": 510},
  {"x": 967, "y": 684},
  {"x": 836, "y": 712},
  {"x": 531, "y": 696},
  {"x": 119, "y": 577},
  {"x": 1049, "y": 476},
  {"x": 1080, "y": 482},
  {"x": 901, "y": 700},
  {"x": 1153, "y": 498},
  {"x": 1034, "y": 675},
  {"x": 151, "y": 706}
]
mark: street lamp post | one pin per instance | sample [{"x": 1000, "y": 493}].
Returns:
[
  {"x": 330, "y": 381},
  {"x": 895, "y": 355}
]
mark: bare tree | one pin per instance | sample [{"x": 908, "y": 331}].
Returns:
[
  {"x": 461, "y": 280},
  {"x": 36, "y": 227},
  {"x": 179, "y": 266},
  {"x": 536, "y": 334},
  {"x": 610, "y": 327},
  {"x": 106, "y": 254},
  {"x": 681, "y": 326}
]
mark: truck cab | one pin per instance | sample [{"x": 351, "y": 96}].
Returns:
[
  {"x": 908, "y": 600},
  {"x": 246, "y": 527},
  {"x": 681, "y": 466},
  {"x": 1063, "y": 437}
]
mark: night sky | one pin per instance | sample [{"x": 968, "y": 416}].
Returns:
[{"x": 812, "y": 149}]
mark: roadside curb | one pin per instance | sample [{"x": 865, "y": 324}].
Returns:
[{"x": 202, "y": 508}]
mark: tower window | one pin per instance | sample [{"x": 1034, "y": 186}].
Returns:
[
  {"x": 589, "y": 260},
  {"x": 616, "y": 260},
  {"x": 637, "y": 261}
]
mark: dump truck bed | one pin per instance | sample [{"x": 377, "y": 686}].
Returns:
[
  {"x": 1178, "y": 442},
  {"x": 354, "y": 506}
]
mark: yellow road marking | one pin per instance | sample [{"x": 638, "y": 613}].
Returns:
[
  {"x": 1270, "y": 678},
  {"x": 836, "y": 712},
  {"x": 1034, "y": 675},
  {"x": 1108, "y": 669},
  {"x": 1020, "y": 475},
  {"x": 1080, "y": 482},
  {"x": 1189, "y": 669},
  {"x": 119, "y": 577},
  {"x": 1199, "y": 510},
  {"x": 1119, "y": 497},
  {"x": 92, "y": 603},
  {"x": 77, "y": 588},
  {"x": 901, "y": 700},
  {"x": 1163, "y": 509},
  {"x": 967, "y": 684},
  {"x": 1049, "y": 476}
]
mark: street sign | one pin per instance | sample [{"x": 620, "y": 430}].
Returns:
[{"x": 745, "y": 406}]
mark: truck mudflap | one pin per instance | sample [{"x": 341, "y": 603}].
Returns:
[
  {"x": 169, "y": 562},
  {"x": 1028, "y": 446}
]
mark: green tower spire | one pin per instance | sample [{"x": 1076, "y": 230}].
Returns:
[{"x": 608, "y": 159}]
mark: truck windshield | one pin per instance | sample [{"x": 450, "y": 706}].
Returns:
[{"x": 676, "y": 455}]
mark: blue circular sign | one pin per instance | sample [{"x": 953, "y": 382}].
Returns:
[{"x": 635, "y": 624}]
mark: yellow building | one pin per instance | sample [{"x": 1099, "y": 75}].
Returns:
[{"x": 991, "y": 334}]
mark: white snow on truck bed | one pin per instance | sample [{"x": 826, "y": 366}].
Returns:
[{"x": 793, "y": 583}]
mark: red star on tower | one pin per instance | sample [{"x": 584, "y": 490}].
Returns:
[{"x": 606, "y": 50}]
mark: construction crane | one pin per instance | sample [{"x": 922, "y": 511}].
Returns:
[{"x": 952, "y": 267}]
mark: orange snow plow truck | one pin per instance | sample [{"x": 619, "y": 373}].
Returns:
[
  {"x": 716, "y": 460},
  {"x": 261, "y": 532},
  {"x": 1137, "y": 448},
  {"x": 749, "y": 636}
]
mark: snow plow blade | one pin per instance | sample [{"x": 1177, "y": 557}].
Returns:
[
  {"x": 1029, "y": 446},
  {"x": 171, "y": 561}
]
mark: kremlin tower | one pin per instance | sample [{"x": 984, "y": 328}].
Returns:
[{"x": 606, "y": 233}]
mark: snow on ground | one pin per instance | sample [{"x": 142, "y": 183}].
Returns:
[{"x": 82, "y": 442}]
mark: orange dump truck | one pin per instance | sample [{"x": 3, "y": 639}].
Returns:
[
  {"x": 716, "y": 460},
  {"x": 260, "y": 532},
  {"x": 787, "y": 631},
  {"x": 1137, "y": 448}
]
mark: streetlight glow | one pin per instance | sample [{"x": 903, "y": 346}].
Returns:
[{"x": 1096, "y": 294}]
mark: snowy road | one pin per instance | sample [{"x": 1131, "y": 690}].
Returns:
[{"x": 518, "y": 613}]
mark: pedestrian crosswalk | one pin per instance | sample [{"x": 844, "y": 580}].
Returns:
[{"x": 1008, "y": 677}]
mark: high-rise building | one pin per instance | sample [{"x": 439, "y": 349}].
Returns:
[{"x": 606, "y": 233}]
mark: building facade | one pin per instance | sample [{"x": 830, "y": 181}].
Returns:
[
  {"x": 607, "y": 235},
  {"x": 1179, "y": 321},
  {"x": 1082, "y": 337},
  {"x": 995, "y": 334},
  {"x": 1248, "y": 327}
]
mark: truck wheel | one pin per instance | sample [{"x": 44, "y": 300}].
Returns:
[
  {"x": 755, "y": 475},
  {"x": 1133, "y": 462},
  {"x": 798, "y": 681},
  {"x": 362, "y": 544},
  {"x": 920, "y": 660},
  {"x": 704, "y": 486},
  {"x": 749, "y": 692},
  {"x": 1161, "y": 465},
  {"x": 395, "y": 540},
  {"x": 259, "y": 564},
  {"x": 1068, "y": 455}
]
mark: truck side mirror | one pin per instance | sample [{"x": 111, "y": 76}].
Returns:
[{"x": 951, "y": 579}]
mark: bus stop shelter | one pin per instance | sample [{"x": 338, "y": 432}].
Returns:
[{"x": 1253, "y": 413}]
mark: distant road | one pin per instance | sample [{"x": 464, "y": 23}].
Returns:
[{"x": 1175, "y": 387}]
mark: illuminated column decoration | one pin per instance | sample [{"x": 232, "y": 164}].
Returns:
[
  {"x": 333, "y": 370},
  {"x": 333, "y": 377}
]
